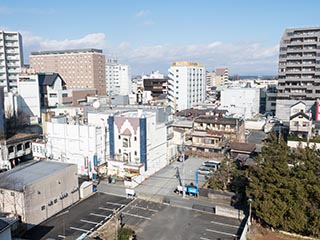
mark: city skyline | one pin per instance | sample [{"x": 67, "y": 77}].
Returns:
[{"x": 243, "y": 36}]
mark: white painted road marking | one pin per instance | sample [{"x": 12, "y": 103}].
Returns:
[
  {"x": 115, "y": 203},
  {"x": 224, "y": 233},
  {"x": 149, "y": 209},
  {"x": 134, "y": 215},
  {"x": 86, "y": 221},
  {"x": 61, "y": 236},
  {"x": 79, "y": 229},
  {"x": 107, "y": 209},
  {"x": 223, "y": 224},
  {"x": 99, "y": 215},
  {"x": 202, "y": 238}
]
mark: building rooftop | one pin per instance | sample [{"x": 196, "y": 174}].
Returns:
[
  {"x": 217, "y": 120},
  {"x": 86, "y": 50},
  {"x": 3, "y": 226},
  {"x": 19, "y": 177},
  {"x": 242, "y": 147},
  {"x": 187, "y": 64},
  {"x": 19, "y": 137},
  {"x": 48, "y": 79}
]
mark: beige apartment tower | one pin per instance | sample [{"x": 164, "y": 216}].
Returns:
[{"x": 79, "y": 68}]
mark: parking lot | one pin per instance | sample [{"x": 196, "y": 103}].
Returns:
[
  {"x": 79, "y": 219},
  {"x": 153, "y": 220}
]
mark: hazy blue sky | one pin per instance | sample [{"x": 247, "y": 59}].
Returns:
[{"x": 149, "y": 35}]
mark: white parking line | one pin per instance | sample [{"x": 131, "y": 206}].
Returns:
[
  {"x": 134, "y": 215},
  {"x": 149, "y": 209},
  {"x": 79, "y": 229},
  {"x": 61, "y": 236},
  {"x": 224, "y": 233},
  {"x": 202, "y": 238},
  {"x": 115, "y": 203},
  {"x": 223, "y": 224},
  {"x": 98, "y": 215},
  {"x": 107, "y": 209},
  {"x": 86, "y": 221}
]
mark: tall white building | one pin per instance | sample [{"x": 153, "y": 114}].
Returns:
[
  {"x": 118, "y": 78},
  {"x": 11, "y": 58},
  {"x": 186, "y": 85}
]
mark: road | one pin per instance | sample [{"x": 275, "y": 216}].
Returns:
[{"x": 165, "y": 181}]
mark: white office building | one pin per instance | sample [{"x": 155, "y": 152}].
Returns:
[
  {"x": 11, "y": 58},
  {"x": 241, "y": 101},
  {"x": 186, "y": 85},
  {"x": 118, "y": 78}
]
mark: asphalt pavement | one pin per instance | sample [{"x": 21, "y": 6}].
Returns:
[
  {"x": 81, "y": 218},
  {"x": 157, "y": 221}
]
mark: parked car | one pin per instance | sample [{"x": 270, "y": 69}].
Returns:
[
  {"x": 204, "y": 170},
  {"x": 213, "y": 165}
]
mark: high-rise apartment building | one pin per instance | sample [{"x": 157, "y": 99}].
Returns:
[
  {"x": 11, "y": 58},
  {"x": 299, "y": 69},
  {"x": 118, "y": 78},
  {"x": 79, "y": 68},
  {"x": 186, "y": 85},
  {"x": 222, "y": 76}
]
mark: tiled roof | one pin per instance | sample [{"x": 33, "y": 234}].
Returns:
[{"x": 242, "y": 147}]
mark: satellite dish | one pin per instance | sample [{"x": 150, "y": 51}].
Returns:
[{"x": 96, "y": 104}]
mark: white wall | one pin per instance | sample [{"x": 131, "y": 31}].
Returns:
[
  {"x": 29, "y": 92},
  {"x": 76, "y": 143},
  {"x": 241, "y": 101}
]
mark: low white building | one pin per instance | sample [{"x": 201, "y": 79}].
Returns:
[
  {"x": 38, "y": 190},
  {"x": 241, "y": 101},
  {"x": 83, "y": 145}
]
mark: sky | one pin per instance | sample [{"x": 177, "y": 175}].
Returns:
[{"x": 149, "y": 35}]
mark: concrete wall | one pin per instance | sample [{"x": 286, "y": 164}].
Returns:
[
  {"x": 12, "y": 202},
  {"x": 76, "y": 144},
  {"x": 50, "y": 195},
  {"x": 241, "y": 101}
]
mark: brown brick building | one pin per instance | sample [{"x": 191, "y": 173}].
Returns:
[{"x": 79, "y": 68}]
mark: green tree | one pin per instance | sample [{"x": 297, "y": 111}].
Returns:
[{"x": 285, "y": 188}]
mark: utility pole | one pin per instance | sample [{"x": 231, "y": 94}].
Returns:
[{"x": 249, "y": 217}]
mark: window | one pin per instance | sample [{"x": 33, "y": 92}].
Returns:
[
  {"x": 43, "y": 207},
  {"x": 135, "y": 153},
  {"x": 119, "y": 137},
  {"x": 12, "y": 194},
  {"x": 52, "y": 95},
  {"x": 64, "y": 95},
  {"x": 119, "y": 150},
  {"x": 135, "y": 138},
  {"x": 55, "y": 201}
]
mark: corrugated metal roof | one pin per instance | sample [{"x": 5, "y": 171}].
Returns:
[{"x": 18, "y": 177}]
